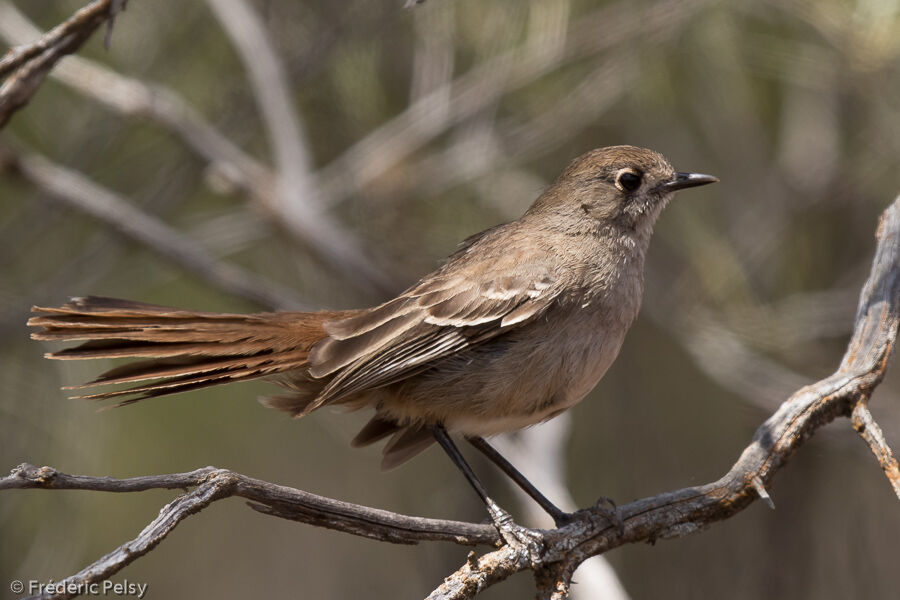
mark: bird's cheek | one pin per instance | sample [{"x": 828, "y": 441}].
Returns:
[{"x": 600, "y": 211}]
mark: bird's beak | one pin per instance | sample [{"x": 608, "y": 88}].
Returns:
[{"x": 686, "y": 180}]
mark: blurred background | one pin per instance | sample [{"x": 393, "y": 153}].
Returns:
[{"x": 240, "y": 155}]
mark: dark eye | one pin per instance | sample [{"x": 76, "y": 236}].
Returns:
[{"x": 628, "y": 180}]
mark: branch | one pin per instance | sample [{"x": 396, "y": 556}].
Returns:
[
  {"x": 30, "y": 64},
  {"x": 161, "y": 105},
  {"x": 555, "y": 554},
  {"x": 300, "y": 216},
  {"x": 865, "y": 425},
  {"x": 426, "y": 118},
  {"x": 80, "y": 193},
  {"x": 212, "y": 484},
  {"x": 135, "y": 98},
  {"x": 296, "y": 199},
  {"x": 539, "y": 452}
]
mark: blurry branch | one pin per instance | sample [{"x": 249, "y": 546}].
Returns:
[
  {"x": 797, "y": 319},
  {"x": 296, "y": 200},
  {"x": 480, "y": 87},
  {"x": 725, "y": 358},
  {"x": 433, "y": 58},
  {"x": 482, "y": 152},
  {"x": 85, "y": 266},
  {"x": 447, "y": 105},
  {"x": 554, "y": 555},
  {"x": 28, "y": 65},
  {"x": 299, "y": 216},
  {"x": 80, "y": 193},
  {"x": 270, "y": 88},
  {"x": 868, "y": 48},
  {"x": 134, "y": 98}
]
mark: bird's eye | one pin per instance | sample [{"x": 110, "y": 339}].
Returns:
[{"x": 628, "y": 180}]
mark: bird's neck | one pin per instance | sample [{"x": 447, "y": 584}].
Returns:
[{"x": 610, "y": 270}]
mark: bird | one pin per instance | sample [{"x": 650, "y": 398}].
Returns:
[{"x": 515, "y": 327}]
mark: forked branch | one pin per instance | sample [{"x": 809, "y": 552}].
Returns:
[{"x": 28, "y": 65}]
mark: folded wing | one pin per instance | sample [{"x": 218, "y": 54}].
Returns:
[{"x": 456, "y": 308}]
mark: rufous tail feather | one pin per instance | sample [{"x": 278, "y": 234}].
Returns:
[{"x": 182, "y": 350}]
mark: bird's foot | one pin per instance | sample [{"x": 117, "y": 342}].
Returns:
[
  {"x": 561, "y": 519},
  {"x": 512, "y": 533},
  {"x": 608, "y": 509}
]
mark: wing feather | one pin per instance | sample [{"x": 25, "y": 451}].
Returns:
[{"x": 443, "y": 315}]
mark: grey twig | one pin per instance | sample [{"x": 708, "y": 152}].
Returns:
[
  {"x": 28, "y": 65},
  {"x": 296, "y": 200},
  {"x": 17, "y": 56},
  {"x": 211, "y": 484},
  {"x": 268, "y": 498},
  {"x": 865, "y": 425},
  {"x": 82, "y": 194}
]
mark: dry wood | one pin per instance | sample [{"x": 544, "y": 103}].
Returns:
[{"x": 28, "y": 65}]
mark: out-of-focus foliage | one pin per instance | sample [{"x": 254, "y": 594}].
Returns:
[{"x": 424, "y": 127}]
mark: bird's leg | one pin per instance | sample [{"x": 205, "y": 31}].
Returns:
[
  {"x": 511, "y": 533},
  {"x": 560, "y": 517},
  {"x": 443, "y": 438}
]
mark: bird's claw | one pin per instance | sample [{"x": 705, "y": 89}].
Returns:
[
  {"x": 512, "y": 533},
  {"x": 608, "y": 509},
  {"x": 561, "y": 519}
]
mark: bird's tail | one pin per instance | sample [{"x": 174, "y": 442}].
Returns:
[{"x": 179, "y": 350}]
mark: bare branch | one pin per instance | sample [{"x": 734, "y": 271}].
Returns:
[
  {"x": 82, "y": 194},
  {"x": 539, "y": 453},
  {"x": 865, "y": 425},
  {"x": 169, "y": 517},
  {"x": 88, "y": 17},
  {"x": 32, "y": 62},
  {"x": 479, "y": 573},
  {"x": 213, "y": 484}
]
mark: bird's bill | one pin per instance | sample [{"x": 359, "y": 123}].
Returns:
[{"x": 687, "y": 180}]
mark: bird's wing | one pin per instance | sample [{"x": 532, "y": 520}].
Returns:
[{"x": 461, "y": 305}]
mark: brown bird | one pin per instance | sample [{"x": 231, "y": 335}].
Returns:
[{"x": 517, "y": 326}]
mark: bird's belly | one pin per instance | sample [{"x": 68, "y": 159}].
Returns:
[
  {"x": 532, "y": 377},
  {"x": 474, "y": 425}
]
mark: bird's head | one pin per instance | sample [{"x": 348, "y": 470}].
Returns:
[{"x": 625, "y": 187}]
